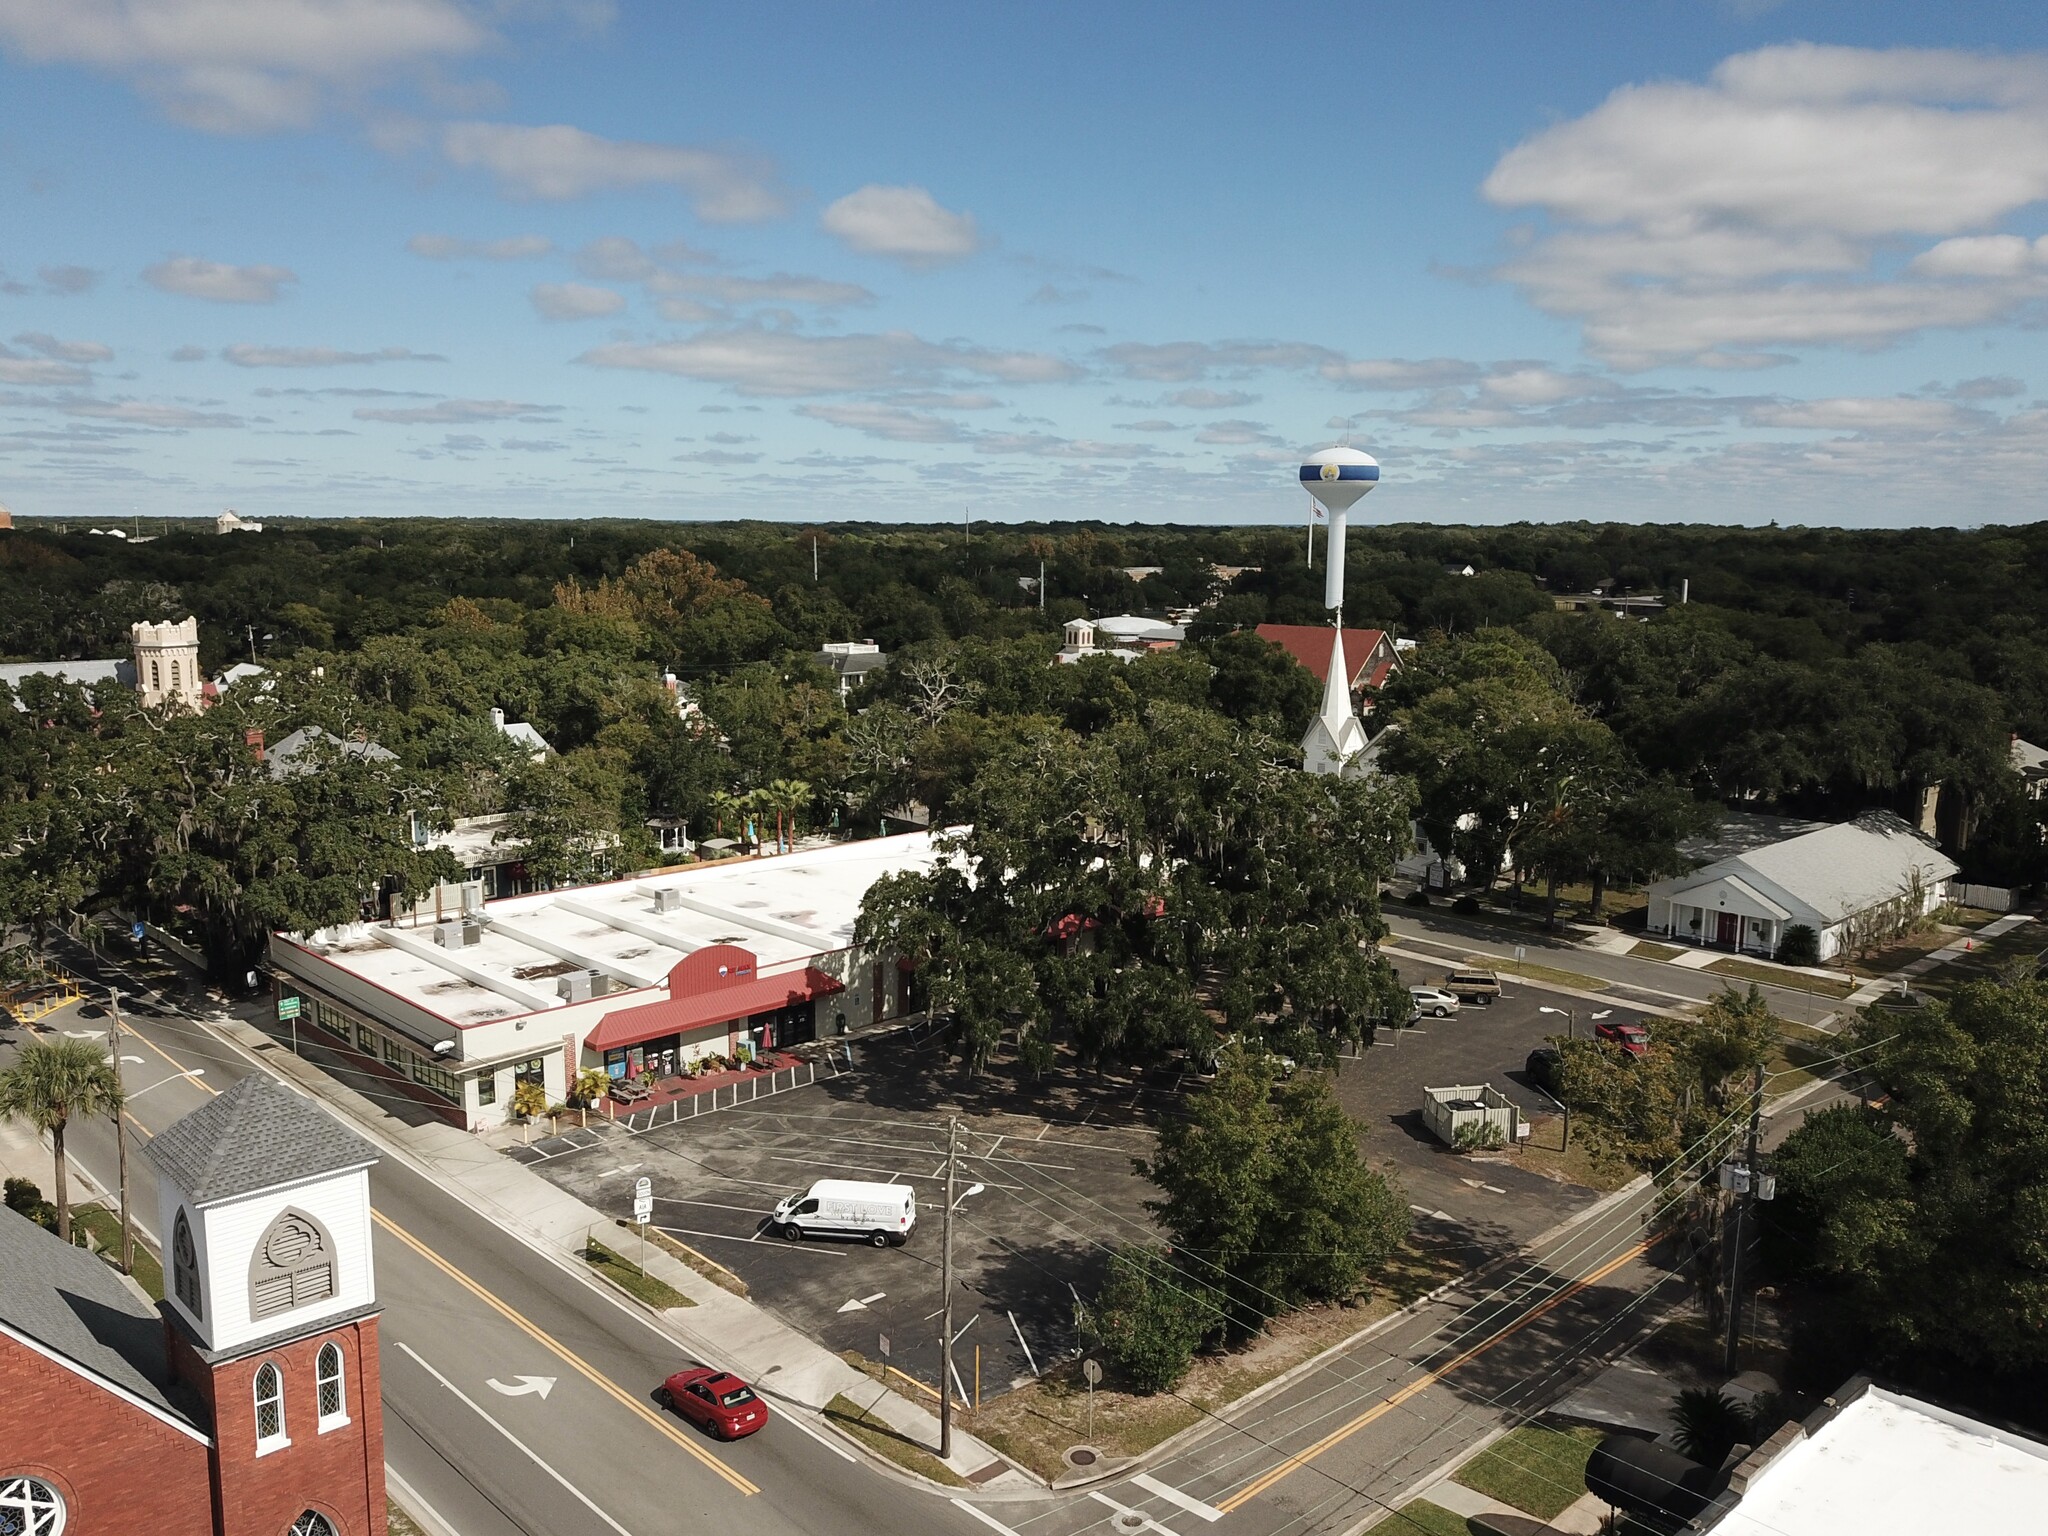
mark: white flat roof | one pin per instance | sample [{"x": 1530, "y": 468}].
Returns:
[
  {"x": 787, "y": 909},
  {"x": 1888, "y": 1465}
]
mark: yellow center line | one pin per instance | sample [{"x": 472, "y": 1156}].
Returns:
[
  {"x": 590, "y": 1372},
  {"x": 517, "y": 1319},
  {"x": 1423, "y": 1383}
]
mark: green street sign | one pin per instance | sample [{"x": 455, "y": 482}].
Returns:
[{"x": 288, "y": 1007}]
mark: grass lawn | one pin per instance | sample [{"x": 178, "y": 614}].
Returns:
[
  {"x": 1035, "y": 1424},
  {"x": 1585, "y": 1162},
  {"x": 1988, "y": 960},
  {"x": 1539, "y": 1470},
  {"x": 1646, "y": 950},
  {"x": 634, "y": 1281},
  {"x": 1431, "y": 1519},
  {"x": 105, "y": 1228},
  {"x": 1771, "y": 976},
  {"x": 1798, "y": 1047},
  {"x": 710, "y": 1269},
  {"x": 1508, "y": 969},
  {"x": 883, "y": 1440}
]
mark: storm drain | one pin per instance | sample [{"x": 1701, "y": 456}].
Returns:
[{"x": 1082, "y": 1457}]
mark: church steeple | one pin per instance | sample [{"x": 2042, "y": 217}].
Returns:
[{"x": 1335, "y": 736}]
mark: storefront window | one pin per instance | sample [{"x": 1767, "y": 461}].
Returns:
[
  {"x": 487, "y": 1089},
  {"x": 530, "y": 1071}
]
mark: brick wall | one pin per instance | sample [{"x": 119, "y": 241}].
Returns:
[
  {"x": 118, "y": 1467},
  {"x": 340, "y": 1473}
]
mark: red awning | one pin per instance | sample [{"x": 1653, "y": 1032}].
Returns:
[{"x": 706, "y": 1010}]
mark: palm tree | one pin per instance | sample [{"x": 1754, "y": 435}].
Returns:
[
  {"x": 52, "y": 1080},
  {"x": 725, "y": 803},
  {"x": 787, "y": 796}
]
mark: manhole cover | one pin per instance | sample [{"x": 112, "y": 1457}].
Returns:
[
  {"x": 1082, "y": 1456},
  {"x": 1131, "y": 1520}
]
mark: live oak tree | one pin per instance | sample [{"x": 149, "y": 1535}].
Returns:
[{"x": 1142, "y": 890}]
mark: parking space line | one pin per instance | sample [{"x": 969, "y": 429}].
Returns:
[
  {"x": 728, "y": 1237},
  {"x": 526, "y": 1450},
  {"x": 1173, "y": 1495}
]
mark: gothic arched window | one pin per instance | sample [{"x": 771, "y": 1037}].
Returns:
[
  {"x": 269, "y": 1392},
  {"x": 312, "y": 1523},
  {"x": 185, "y": 1265},
  {"x": 328, "y": 1385},
  {"x": 29, "y": 1507},
  {"x": 293, "y": 1266},
  {"x": 174, "y": 677}
]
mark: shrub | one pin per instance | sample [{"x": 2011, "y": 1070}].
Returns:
[
  {"x": 1416, "y": 898},
  {"x": 1800, "y": 946},
  {"x": 1466, "y": 905},
  {"x": 1478, "y": 1136},
  {"x": 1148, "y": 1319},
  {"x": 25, "y": 1197}
]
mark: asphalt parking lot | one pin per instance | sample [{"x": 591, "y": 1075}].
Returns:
[
  {"x": 1484, "y": 1204},
  {"x": 1059, "y": 1191}
]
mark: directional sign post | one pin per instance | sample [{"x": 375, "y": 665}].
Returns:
[
  {"x": 288, "y": 1008},
  {"x": 643, "y": 1212},
  {"x": 1091, "y": 1372}
]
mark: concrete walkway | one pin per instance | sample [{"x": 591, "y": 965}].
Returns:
[
  {"x": 1901, "y": 979},
  {"x": 720, "y": 1327}
]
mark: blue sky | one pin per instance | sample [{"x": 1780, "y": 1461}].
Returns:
[{"x": 1676, "y": 259}]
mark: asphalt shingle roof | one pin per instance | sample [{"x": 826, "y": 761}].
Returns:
[
  {"x": 257, "y": 1135},
  {"x": 69, "y": 1302}
]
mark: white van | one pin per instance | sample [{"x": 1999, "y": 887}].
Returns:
[{"x": 881, "y": 1213}]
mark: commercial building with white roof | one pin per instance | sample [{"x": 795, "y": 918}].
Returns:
[
  {"x": 468, "y": 997},
  {"x": 1878, "y": 1463},
  {"x": 1821, "y": 879}
]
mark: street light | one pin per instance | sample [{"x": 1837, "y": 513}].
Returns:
[{"x": 1570, "y": 1017}]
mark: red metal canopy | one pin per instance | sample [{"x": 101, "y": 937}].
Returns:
[{"x": 713, "y": 987}]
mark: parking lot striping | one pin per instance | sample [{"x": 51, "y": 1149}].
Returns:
[
  {"x": 1173, "y": 1495},
  {"x": 526, "y": 1450},
  {"x": 894, "y": 1174},
  {"x": 744, "y": 1210},
  {"x": 1429, "y": 1379},
  {"x": 811, "y": 1248},
  {"x": 583, "y": 1367},
  {"x": 1124, "y": 1509},
  {"x": 988, "y": 1520}
]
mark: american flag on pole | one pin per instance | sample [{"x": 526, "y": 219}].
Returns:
[{"x": 1315, "y": 509}]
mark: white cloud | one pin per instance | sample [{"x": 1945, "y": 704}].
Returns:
[
  {"x": 557, "y": 162},
  {"x": 16, "y": 369},
  {"x": 218, "y": 281},
  {"x": 1210, "y": 399},
  {"x": 227, "y": 66},
  {"x": 1898, "y": 414},
  {"x": 67, "y": 280},
  {"x": 575, "y": 301},
  {"x": 891, "y": 422},
  {"x": 721, "y": 457},
  {"x": 246, "y": 355},
  {"x": 189, "y": 354},
  {"x": 454, "y": 412},
  {"x": 1238, "y": 434},
  {"x": 1990, "y": 387},
  {"x": 454, "y": 248},
  {"x": 44, "y": 344},
  {"x": 139, "y": 413},
  {"x": 1719, "y": 223},
  {"x": 777, "y": 288},
  {"x": 757, "y": 361},
  {"x": 903, "y": 223},
  {"x": 1398, "y": 373},
  {"x": 1046, "y": 446},
  {"x": 1181, "y": 361},
  {"x": 1150, "y": 425}
]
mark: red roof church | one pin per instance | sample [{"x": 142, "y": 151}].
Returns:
[
  {"x": 1368, "y": 652},
  {"x": 247, "y": 1402}
]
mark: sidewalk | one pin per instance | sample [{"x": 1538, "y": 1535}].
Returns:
[
  {"x": 1898, "y": 980},
  {"x": 737, "y": 1334}
]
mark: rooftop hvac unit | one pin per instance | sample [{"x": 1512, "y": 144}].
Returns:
[
  {"x": 448, "y": 935},
  {"x": 582, "y": 986},
  {"x": 668, "y": 901},
  {"x": 472, "y": 931}
]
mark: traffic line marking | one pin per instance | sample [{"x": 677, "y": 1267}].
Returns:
[
  {"x": 531, "y": 1455},
  {"x": 988, "y": 1520},
  {"x": 590, "y": 1372},
  {"x": 1173, "y": 1495},
  {"x": 1137, "y": 1514},
  {"x": 1423, "y": 1383}
]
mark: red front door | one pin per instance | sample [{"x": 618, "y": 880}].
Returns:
[{"x": 1728, "y": 929}]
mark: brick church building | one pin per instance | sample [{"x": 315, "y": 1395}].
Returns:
[{"x": 247, "y": 1402}]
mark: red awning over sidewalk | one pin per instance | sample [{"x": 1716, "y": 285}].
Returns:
[{"x": 716, "y": 985}]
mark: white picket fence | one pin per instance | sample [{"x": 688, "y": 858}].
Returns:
[
  {"x": 1990, "y": 898},
  {"x": 729, "y": 1096}
]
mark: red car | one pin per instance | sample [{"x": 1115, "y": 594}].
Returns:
[
  {"x": 722, "y": 1403},
  {"x": 1632, "y": 1038}
]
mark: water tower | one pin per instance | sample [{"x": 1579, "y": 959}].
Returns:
[{"x": 1336, "y": 477}]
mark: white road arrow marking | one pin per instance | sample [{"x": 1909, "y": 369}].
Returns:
[
  {"x": 864, "y": 1303},
  {"x": 523, "y": 1385}
]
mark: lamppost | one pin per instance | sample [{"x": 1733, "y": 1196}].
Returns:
[{"x": 946, "y": 1292}]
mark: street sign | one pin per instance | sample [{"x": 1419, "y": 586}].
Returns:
[
  {"x": 288, "y": 1007},
  {"x": 884, "y": 1340},
  {"x": 643, "y": 1200},
  {"x": 1521, "y": 953},
  {"x": 1091, "y": 1371},
  {"x": 135, "y": 932}
]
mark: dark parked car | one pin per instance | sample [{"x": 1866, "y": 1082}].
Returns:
[{"x": 1545, "y": 1068}]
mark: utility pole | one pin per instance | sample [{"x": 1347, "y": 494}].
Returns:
[
  {"x": 250, "y": 631},
  {"x": 1041, "y": 586},
  {"x": 946, "y": 1302},
  {"x": 120, "y": 1130},
  {"x": 814, "y": 559},
  {"x": 1749, "y": 1190}
]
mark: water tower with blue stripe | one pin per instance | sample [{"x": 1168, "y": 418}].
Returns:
[{"x": 1338, "y": 478}]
